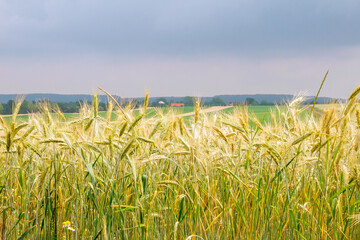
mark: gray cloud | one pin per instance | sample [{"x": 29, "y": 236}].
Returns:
[
  {"x": 188, "y": 47},
  {"x": 180, "y": 77},
  {"x": 186, "y": 27}
]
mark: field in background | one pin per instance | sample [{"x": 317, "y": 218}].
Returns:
[
  {"x": 149, "y": 113},
  {"x": 261, "y": 112}
]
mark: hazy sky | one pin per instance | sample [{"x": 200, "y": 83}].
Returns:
[{"x": 177, "y": 48}]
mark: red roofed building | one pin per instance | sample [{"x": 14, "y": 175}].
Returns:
[{"x": 177, "y": 104}]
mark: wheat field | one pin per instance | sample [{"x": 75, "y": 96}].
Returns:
[{"x": 214, "y": 176}]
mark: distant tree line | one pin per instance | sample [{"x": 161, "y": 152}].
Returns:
[
  {"x": 215, "y": 101},
  {"x": 253, "y": 102},
  {"x": 73, "y": 107},
  {"x": 33, "y": 107}
]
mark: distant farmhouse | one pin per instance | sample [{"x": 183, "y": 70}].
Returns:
[{"x": 177, "y": 104}]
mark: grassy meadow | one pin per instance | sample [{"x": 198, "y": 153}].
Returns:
[{"x": 258, "y": 173}]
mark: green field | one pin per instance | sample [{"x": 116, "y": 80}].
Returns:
[
  {"x": 149, "y": 113},
  {"x": 261, "y": 112}
]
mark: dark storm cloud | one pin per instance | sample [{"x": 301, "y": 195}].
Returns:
[{"x": 185, "y": 27}]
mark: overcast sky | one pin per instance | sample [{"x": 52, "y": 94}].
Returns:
[{"x": 177, "y": 48}]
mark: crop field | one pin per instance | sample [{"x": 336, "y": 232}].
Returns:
[
  {"x": 284, "y": 172},
  {"x": 262, "y": 113},
  {"x": 150, "y": 112}
]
